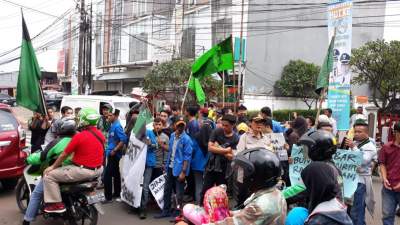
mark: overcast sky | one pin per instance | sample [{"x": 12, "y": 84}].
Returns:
[{"x": 10, "y": 29}]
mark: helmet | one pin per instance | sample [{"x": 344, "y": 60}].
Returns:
[
  {"x": 261, "y": 168},
  {"x": 67, "y": 126},
  {"x": 319, "y": 145},
  {"x": 88, "y": 117}
]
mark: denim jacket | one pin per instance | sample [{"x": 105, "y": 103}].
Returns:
[{"x": 183, "y": 153}]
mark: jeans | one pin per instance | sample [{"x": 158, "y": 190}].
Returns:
[
  {"x": 112, "y": 171},
  {"x": 390, "y": 200},
  {"x": 210, "y": 179},
  {"x": 34, "y": 202},
  {"x": 357, "y": 212},
  {"x": 198, "y": 180},
  {"x": 179, "y": 188},
  {"x": 148, "y": 171}
]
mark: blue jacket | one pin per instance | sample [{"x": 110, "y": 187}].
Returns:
[
  {"x": 115, "y": 135},
  {"x": 151, "y": 151},
  {"x": 277, "y": 127},
  {"x": 183, "y": 153},
  {"x": 199, "y": 160}
]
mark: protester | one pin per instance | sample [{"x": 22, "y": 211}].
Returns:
[
  {"x": 200, "y": 157},
  {"x": 242, "y": 114},
  {"x": 38, "y": 125},
  {"x": 175, "y": 113},
  {"x": 157, "y": 146},
  {"x": 177, "y": 166},
  {"x": 363, "y": 197},
  {"x": 242, "y": 128},
  {"x": 193, "y": 125},
  {"x": 389, "y": 157},
  {"x": 166, "y": 127},
  {"x": 116, "y": 140},
  {"x": 87, "y": 149},
  {"x": 104, "y": 125},
  {"x": 223, "y": 142},
  {"x": 328, "y": 113},
  {"x": 310, "y": 122},
  {"x": 359, "y": 115},
  {"x": 50, "y": 115},
  {"x": 212, "y": 114},
  {"x": 131, "y": 117},
  {"x": 227, "y": 111},
  {"x": 324, "y": 124},
  {"x": 204, "y": 119},
  {"x": 266, "y": 113},
  {"x": 322, "y": 188},
  {"x": 51, "y": 134}
]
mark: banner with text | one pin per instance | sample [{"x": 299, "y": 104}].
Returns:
[
  {"x": 345, "y": 160},
  {"x": 157, "y": 190},
  {"x": 134, "y": 162},
  {"x": 278, "y": 145},
  {"x": 340, "y": 24}
]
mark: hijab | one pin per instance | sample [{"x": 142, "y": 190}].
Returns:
[{"x": 321, "y": 181}]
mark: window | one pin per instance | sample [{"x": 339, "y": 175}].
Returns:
[
  {"x": 188, "y": 42},
  {"x": 221, "y": 29},
  {"x": 116, "y": 33},
  {"x": 99, "y": 47},
  {"x": 138, "y": 47},
  {"x": 7, "y": 121}
]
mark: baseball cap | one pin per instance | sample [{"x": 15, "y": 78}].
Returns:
[
  {"x": 204, "y": 111},
  {"x": 179, "y": 120}
]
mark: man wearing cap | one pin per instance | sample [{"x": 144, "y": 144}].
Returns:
[
  {"x": 177, "y": 166},
  {"x": 388, "y": 159},
  {"x": 116, "y": 140},
  {"x": 363, "y": 197}
]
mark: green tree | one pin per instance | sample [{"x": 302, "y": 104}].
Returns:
[
  {"x": 172, "y": 76},
  {"x": 298, "y": 80},
  {"x": 377, "y": 63}
]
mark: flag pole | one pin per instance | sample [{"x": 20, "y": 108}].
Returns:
[
  {"x": 223, "y": 89},
  {"x": 321, "y": 99},
  {"x": 234, "y": 78},
  {"x": 184, "y": 96}
]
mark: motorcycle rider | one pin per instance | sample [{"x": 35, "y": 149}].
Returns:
[
  {"x": 87, "y": 161},
  {"x": 39, "y": 160},
  {"x": 261, "y": 170}
]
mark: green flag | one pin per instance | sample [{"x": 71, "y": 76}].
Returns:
[
  {"x": 218, "y": 58},
  {"x": 29, "y": 93},
  {"x": 327, "y": 66},
  {"x": 142, "y": 120},
  {"x": 194, "y": 85}
]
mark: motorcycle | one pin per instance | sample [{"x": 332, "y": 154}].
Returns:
[{"x": 81, "y": 200}]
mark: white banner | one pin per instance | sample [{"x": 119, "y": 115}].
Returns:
[
  {"x": 134, "y": 162},
  {"x": 157, "y": 189},
  {"x": 278, "y": 145}
]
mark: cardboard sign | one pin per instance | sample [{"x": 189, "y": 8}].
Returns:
[{"x": 157, "y": 189}]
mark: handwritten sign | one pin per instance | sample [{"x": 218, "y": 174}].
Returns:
[
  {"x": 134, "y": 162},
  {"x": 278, "y": 143},
  {"x": 157, "y": 189},
  {"x": 345, "y": 160}
]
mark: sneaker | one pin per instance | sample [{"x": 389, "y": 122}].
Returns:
[
  {"x": 106, "y": 201},
  {"x": 55, "y": 207},
  {"x": 162, "y": 215},
  {"x": 143, "y": 214},
  {"x": 118, "y": 200}
]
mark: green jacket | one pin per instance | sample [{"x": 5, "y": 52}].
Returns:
[{"x": 44, "y": 158}]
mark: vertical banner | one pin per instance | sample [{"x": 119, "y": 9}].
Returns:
[
  {"x": 340, "y": 25},
  {"x": 134, "y": 162}
]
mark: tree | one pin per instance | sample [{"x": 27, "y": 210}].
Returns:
[
  {"x": 298, "y": 80},
  {"x": 377, "y": 63},
  {"x": 172, "y": 76}
]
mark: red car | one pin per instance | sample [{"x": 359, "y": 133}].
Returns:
[{"x": 12, "y": 141}]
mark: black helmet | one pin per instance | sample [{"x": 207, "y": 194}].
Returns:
[
  {"x": 319, "y": 145},
  {"x": 67, "y": 126},
  {"x": 261, "y": 168}
]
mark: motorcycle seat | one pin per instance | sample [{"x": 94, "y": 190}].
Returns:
[{"x": 86, "y": 185}]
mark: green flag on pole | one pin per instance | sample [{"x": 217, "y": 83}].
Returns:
[
  {"x": 195, "y": 85},
  {"x": 326, "y": 69},
  {"x": 218, "y": 58},
  {"x": 29, "y": 93},
  {"x": 142, "y": 120}
]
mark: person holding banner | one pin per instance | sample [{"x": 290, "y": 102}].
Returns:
[
  {"x": 177, "y": 166},
  {"x": 328, "y": 113},
  {"x": 388, "y": 159},
  {"x": 364, "y": 195},
  {"x": 157, "y": 145}
]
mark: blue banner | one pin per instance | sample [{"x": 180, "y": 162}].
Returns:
[
  {"x": 340, "y": 25},
  {"x": 345, "y": 160}
]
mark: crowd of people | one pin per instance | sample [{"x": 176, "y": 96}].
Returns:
[{"x": 209, "y": 150}]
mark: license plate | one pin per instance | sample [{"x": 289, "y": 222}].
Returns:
[{"x": 95, "y": 198}]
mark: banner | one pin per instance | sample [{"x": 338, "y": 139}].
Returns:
[
  {"x": 134, "y": 162},
  {"x": 346, "y": 161},
  {"x": 157, "y": 190},
  {"x": 278, "y": 145},
  {"x": 340, "y": 25}
]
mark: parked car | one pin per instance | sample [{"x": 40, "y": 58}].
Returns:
[
  {"x": 12, "y": 143},
  {"x": 53, "y": 99},
  {"x": 6, "y": 99}
]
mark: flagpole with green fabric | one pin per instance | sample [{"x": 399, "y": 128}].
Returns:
[
  {"x": 29, "y": 91},
  {"x": 323, "y": 76},
  {"x": 186, "y": 91}
]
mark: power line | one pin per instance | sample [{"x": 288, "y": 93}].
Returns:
[{"x": 29, "y": 8}]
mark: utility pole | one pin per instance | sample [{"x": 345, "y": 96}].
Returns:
[
  {"x": 80, "y": 51},
  {"x": 240, "y": 54},
  {"x": 183, "y": 24},
  {"x": 89, "y": 60}
]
